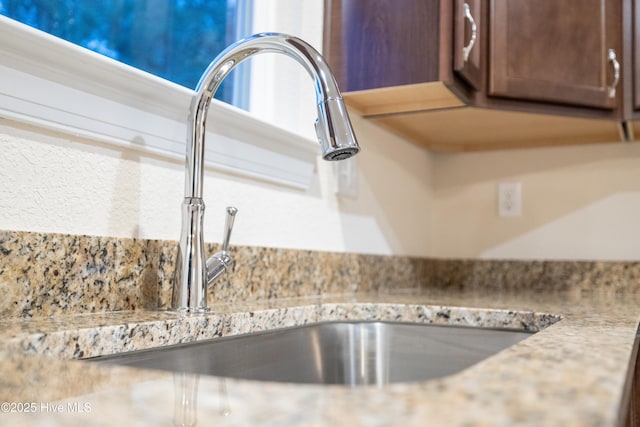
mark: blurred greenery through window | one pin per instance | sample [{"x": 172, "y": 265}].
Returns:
[{"x": 172, "y": 39}]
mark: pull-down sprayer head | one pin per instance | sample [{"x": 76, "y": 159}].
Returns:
[{"x": 334, "y": 131}]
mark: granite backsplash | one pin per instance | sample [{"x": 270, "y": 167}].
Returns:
[{"x": 43, "y": 274}]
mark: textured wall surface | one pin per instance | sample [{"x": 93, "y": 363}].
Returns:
[
  {"x": 579, "y": 203},
  {"x": 60, "y": 183}
]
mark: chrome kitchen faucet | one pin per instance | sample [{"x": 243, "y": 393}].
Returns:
[{"x": 333, "y": 128}]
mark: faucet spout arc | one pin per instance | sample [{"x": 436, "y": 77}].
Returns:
[{"x": 327, "y": 93}]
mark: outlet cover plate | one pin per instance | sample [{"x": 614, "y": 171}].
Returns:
[{"x": 510, "y": 199}]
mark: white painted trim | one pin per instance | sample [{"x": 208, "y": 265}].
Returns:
[{"x": 49, "y": 82}]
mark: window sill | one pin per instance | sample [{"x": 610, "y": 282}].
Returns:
[{"x": 51, "y": 83}]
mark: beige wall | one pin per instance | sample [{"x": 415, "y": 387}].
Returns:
[
  {"x": 54, "y": 182},
  {"x": 578, "y": 203}
]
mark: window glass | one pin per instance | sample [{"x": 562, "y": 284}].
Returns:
[{"x": 173, "y": 39}]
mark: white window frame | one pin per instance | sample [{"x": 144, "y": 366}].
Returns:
[{"x": 48, "y": 82}]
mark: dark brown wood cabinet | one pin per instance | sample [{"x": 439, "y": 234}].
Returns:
[
  {"x": 631, "y": 404},
  {"x": 392, "y": 56},
  {"x": 635, "y": 42},
  {"x": 382, "y": 43},
  {"x": 631, "y": 70},
  {"x": 556, "y": 51},
  {"x": 535, "y": 72}
]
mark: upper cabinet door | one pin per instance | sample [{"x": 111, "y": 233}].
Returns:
[
  {"x": 563, "y": 51},
  {"x": 468, "y": 41},
  {"x": 636, "y": 54},
  {"x": 382, "y": 43}
]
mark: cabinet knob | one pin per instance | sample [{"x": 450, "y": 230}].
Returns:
[
  {"x": 466, "y": 50},
  {"x": 616, "y": 73}
]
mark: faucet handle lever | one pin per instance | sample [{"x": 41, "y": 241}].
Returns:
[
  {"x": 221, "y": 261},
  {"x": 228, "y": 227}
]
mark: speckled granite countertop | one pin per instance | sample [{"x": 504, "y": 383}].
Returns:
[{"x": 571, "y": 373}]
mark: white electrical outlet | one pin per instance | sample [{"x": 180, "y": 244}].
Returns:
[{"x": 510, "y": 199}]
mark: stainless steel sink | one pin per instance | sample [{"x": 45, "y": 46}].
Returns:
[{"x": 348, "y": 353}]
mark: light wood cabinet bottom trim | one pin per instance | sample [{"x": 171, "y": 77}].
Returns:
[
  {"x": 402, "y": 99},
  {"x": 474, "y": 129}
]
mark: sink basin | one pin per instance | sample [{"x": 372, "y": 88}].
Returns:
[{"x": 347, "y": 353}]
